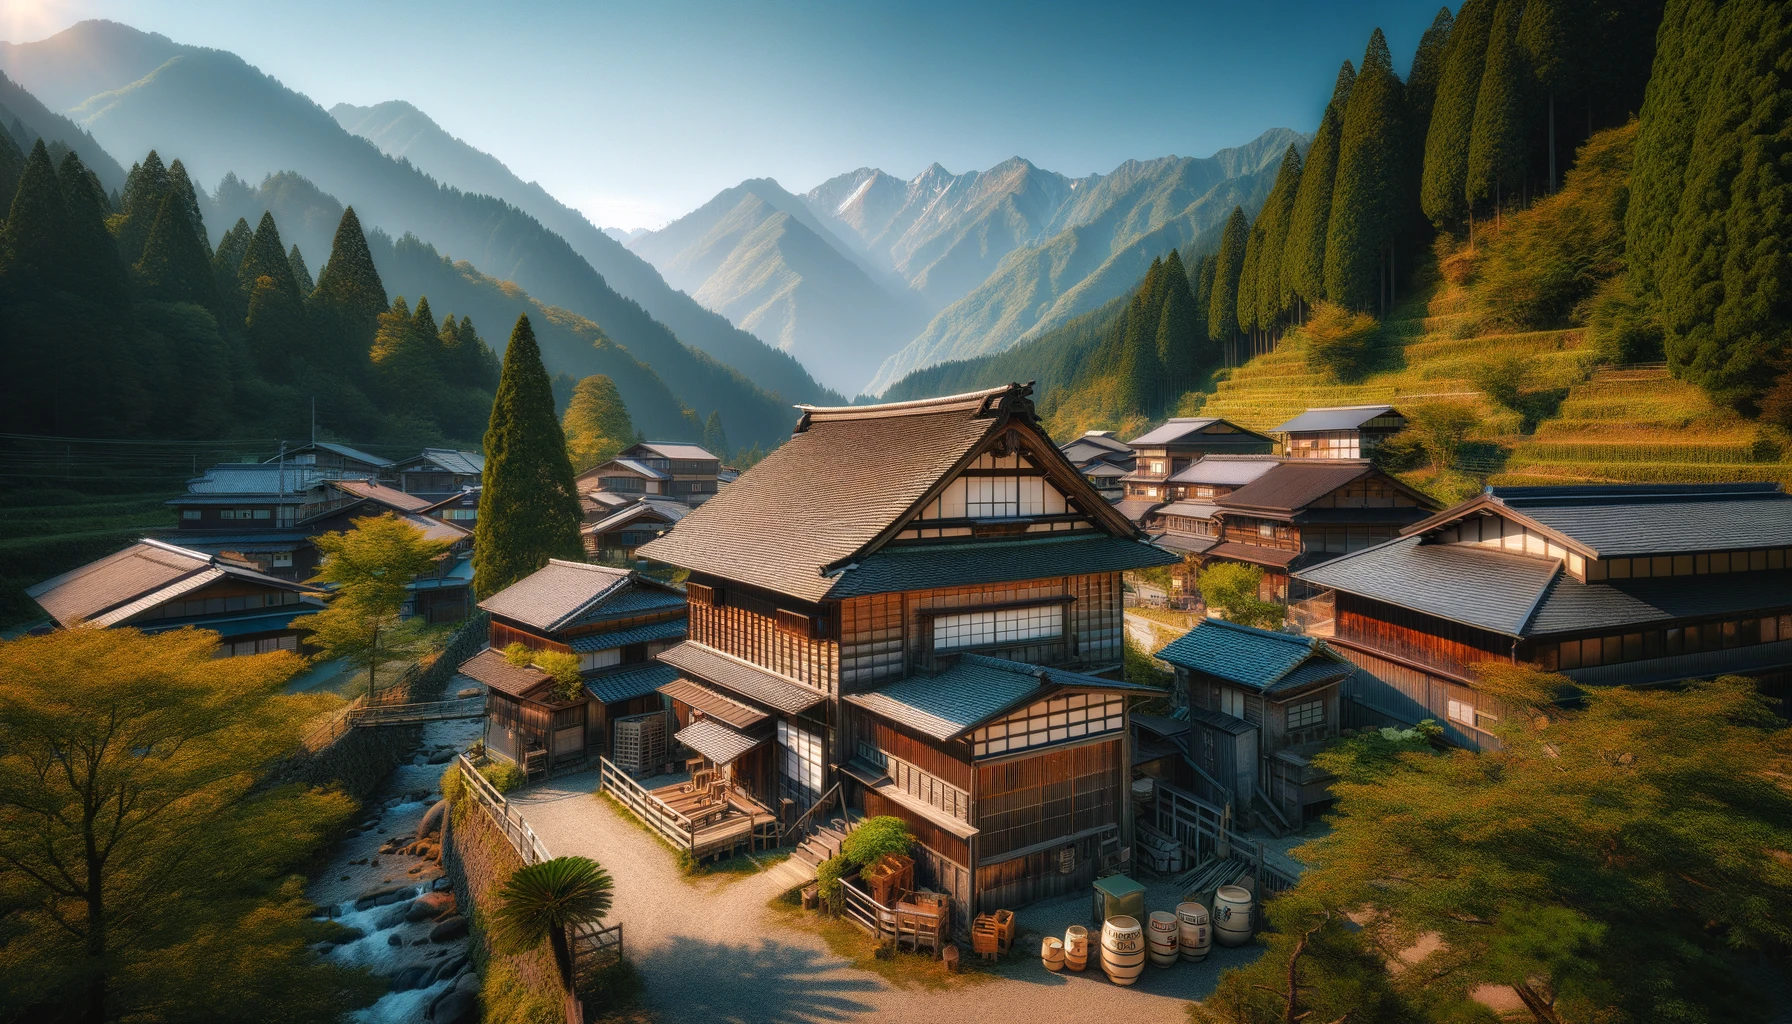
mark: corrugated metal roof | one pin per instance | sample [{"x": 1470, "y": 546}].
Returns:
[
  {"x": 623, "y": 637},
  {"x": 1262, "y": 660},
  {"x": 1494, "y": 590},
  {"x": 914, "y": 566},
  {"x": 712, "y": 702},
  {"x": 451, "y": 460},
  {"x": 1338, "y": 417},
  {"x": 340, "y": 449},
  {"x": 269, "y": 478},
  {"x": 1626, "y": 519},
  {"x": 629, "y": 683},
  {"x": 556, "y": 593},
  {"x": 720, "y": 743},
  {"x": 741, "y": 677},
  {"x": 1227, "y": 471},
  {"x": 1295, "y": 483},
  {"x": 1173, "y": 430}
]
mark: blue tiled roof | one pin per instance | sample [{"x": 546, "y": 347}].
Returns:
[
  {"x": 623, "y": 637},
  {"x": 1264, "y": 661},
  {"x": 912, "y": 567},
  {"x": 636, "y": 600},
  {"x": 630, "y": 683},
  {"x": 973, "y": 690}
]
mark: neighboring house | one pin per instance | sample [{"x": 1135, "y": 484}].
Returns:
[
  {"x": 437, "y": 473},
  {"x": 461, "y": 508},
  {"x": 251, "y": 512},
  {"x": 1339, "y": 432},
  {"x": 444, "y": 595},
  {"x": 908, "y": 600},
  {"x": 1189, "y": 524},
  {"x": 1259, "y": 704},
  {"x": 1171, "y": 448},
  {"x": 156, "y": 586},
  {"x": 686, "y": 472},
  {"x": 614, "y": 620},
  {"x": 1103, "y": 460},
  {"x": 1634, "y": 584},
  {"x": 333, "y": 461},
  {"x": 615, "y": 536}
]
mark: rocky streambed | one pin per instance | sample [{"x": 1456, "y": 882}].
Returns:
[{"x": 385, "y": 883}]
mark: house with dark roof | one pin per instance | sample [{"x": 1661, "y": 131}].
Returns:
[
  {"x": 613, "y": 535},
  {"x": 334, "y": 461},
  {"x": 1259, "y": 704},
  {"x": 156, "y": 586},
  {"x": 919, "y": 598},
  {"x": 1162, "y": 453},
  {"x": 461, "y": 508},
  {"x": 672, "y": 469},
  {"x": 1339, "y": 432},
  {"x": 615, "y": 621},
  {"x": 1636, "y": 584},
  {"x": 441, "y": 595},
  {"x": 252, "y": 512},
  {"x": 1103, "y": 459},
  {"x": 437, "y": 473}
]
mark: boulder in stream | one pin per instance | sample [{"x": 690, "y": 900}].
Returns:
[
  {"x": 457, "y": 1007},
  {"x": 430, "y": 904},
  {"x": 449, "y": 929},
  {"x": 432, "y": 819},
  {"x": 411, "y": 977}
]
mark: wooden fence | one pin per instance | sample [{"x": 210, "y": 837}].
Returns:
[
  {"x": 416, "y": 714},
  {"x": 423, "y": 679},
  {"x": 675, "y": 828},
  {"x": 1205, "y": 831}
]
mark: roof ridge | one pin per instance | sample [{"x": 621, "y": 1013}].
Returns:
[
  {"x": 918, "y": 406},
  {"x": 608, "y": 570}
]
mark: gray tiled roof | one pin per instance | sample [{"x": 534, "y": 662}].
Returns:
[
  {"x": 623, "y": 637},
  {"x": 1257, "y": 658},
  {"x": 244, "y": 478},
  {"x": 716, "y": 741},
  {"x": 1572, "y": 606},
  {"x": 1296, "y": 483},
  {"x": 629, "y": 683},
  {"x": 911, "y": 567},
  {"x": 1136, "y": 509},
  {"x": 556, "y": 593},
  {"x": 1194, "y": 508},
  {"x": 451, "y": 460},
  {"x": 110, "y": 590},
  {"x": 1186, "y": 543},
  {"x": 340, "y": 449},
  {"x": 740, "y": 677},
  {"x": 1344, "y": 417},
  {"x": 1173, "y": 430},
  {"x": 494, "y": 670},
  {"x": 1231, "y": 471},
  {"x": 711, "y": 701},
  {"x": 1493, "y": 590},
  {"x": 972, "y": 691},
  {"x": 666, "y": 511},
  {"x": 1627, "y": 519}
]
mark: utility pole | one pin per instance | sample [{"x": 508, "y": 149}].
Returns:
[{"x": 313, "y": 419}]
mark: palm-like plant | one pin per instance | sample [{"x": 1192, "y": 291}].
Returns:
[{"x": 541, "y": 901}]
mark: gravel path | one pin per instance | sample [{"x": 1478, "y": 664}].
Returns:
[{"x": 710, "y": 951}]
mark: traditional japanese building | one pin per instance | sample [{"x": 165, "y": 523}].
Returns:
[
  {"x": 1168, "y": 450},
  {"x": 437, "y": 473},
  {"x": 1104, "y": 461},
  {"x": 613, "y": 620},
  {"x": 441, "y": 595},
  {"x": 1258, "y": 704},
  {"x": 912, "y": 601},
  {"x": 461, "y": 508},
  {"x": 1339, "y": 432},
  {"x": 615, "y": 535},
  {"x": 685, "y": 472},
  {"x": 156, "y": 586},
  {"x": 1632, "y": 584},
  {"x": 252, "y": 512},
  {"x": 333, "y": 461}
]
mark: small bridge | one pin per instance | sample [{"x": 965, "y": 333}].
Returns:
[{"x": 416, "y": 714}]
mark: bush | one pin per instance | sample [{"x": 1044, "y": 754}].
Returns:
[
  {"x": 1339, "y": 341},
  {"x": 1621, "y": 325},
  {"x": 874, "y": 838},
  {"x": 827, "y": 882},
  {"x": 1440, "y": 428},
  {"x": 453, "y": 786},
  {"x": 1503, "y": 380},
  {"x": 562, "y": 667},
  {"x": 1233, "y": 588},
  {"x": 503, "y": 776},
  {"x": 519, "y": 654},
  {"x": 1140, "y": 666}
]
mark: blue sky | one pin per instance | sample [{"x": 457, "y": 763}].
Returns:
[{"x": 637, "y": 113}]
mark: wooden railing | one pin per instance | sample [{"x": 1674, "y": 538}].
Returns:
[
  {"x": 414, "y": 714},
  {"x": 800, "y": 828},
  {"x": 528, "y": 845},
  {"x": 1205, "y": 829},
  {"x": 675, "y": 828}
]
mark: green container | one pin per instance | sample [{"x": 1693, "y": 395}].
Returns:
[{"x": 1117, "y": 895}]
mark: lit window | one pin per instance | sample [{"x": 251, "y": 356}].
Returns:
[
  {"x": 1006, "y": 625},
  {"x": 1303, "y": 716}
]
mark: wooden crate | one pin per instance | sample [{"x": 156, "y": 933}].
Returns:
[{"x": 641, "y": 742}]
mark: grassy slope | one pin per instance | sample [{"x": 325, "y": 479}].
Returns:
[{"x": 43, "y": 533}]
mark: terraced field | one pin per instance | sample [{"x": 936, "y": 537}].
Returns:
[
  {"x": 45, "y": 532},
  {"x": 1612, "y": 424}
]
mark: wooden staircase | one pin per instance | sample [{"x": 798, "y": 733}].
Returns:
[{"x": 819, "y": 845}]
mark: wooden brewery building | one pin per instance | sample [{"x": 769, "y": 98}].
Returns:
[
  {"x": 1258, "y": 705},
  {"x": 920, "y": 593},
  {"x": 1635, "y": 584},
  {"x": 614, "y": 620}
]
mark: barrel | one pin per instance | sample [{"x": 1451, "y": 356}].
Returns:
[
  {"x": 1122, "y": 949},
  {"x": 1051, "y": 951},
  {"x": 1193, "y": 934},
  {"x": 1162, "y": 933},
  {"x": 1232, "y": 915},
  {"x": 1076, "y": 947}
]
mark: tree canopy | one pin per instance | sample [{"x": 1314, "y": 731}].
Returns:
[{"x": 597, "y": 424}]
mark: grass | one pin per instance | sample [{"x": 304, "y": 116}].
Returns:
[
  {"x": 900, "y": 969},
  {"x": 611, "y": 991},
  {"x": 44, "y": 532},
  {"x": 725, "y": 869}
]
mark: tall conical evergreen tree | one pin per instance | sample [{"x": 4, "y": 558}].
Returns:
[
  {"x": 1671, "y": 108},
  {"x": 97, "y": 271},
  {"x": 1443, "y": 185},
  {"x": 174, "y": 267},
  {"x": 1222, "y": 310},
  {"x": 300, "y": 275},
  {"x": 1303, "y": 255},
  {"x": 1427, "y": 71},
  {"x": 405, "y": 357},
  {"x": 1496, "y": 150},
  {"x": 267, "y": 258},
  {"x": 144, "y": 189},
  {"x": 1202, "y": 282},
  {"x": 1547, "y": 37},
  {"x": 12, "y": 165},
  {"x": 469, "y": 361},
  {"x": 1247, "y": 281},
  {"x": 181, "y": 187},
  {"x": 1179, "y": 342},
  {"x": 1726, "y": 301},
  {"x": 529, "y": 506},
  {"x": 274, "y": 327},
  {"x": 37, "y": 225},
  {"x": 346, "y": 304},
  {"x": 1365, "y": 196},
  {"x": 715, "y": 438},
  {"x": 1274, "y": 218}
]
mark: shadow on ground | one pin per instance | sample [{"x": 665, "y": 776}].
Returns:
[{"x": 767, "y": 982}]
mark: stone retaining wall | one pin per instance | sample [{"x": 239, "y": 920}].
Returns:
[{"x": 478, "y": 860}]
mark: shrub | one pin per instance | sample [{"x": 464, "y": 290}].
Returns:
[
  {"x": 503, "y": 776},
  {"x": 827, "y": 881},
  {"x": 453, "y": 786},
  {"x": 519, "y": 654},
  {"x": 1140, "y": 666},
  {"x": 564, "y": 668},
  {"x": 1440, "y": 428},
  {"x": 1622, "y": 327},
  {"x": 874, "y": 838},
  {"x": 1503, "y": 379},
  {"x": 1233, "y": 588},
  {"x": 1339, "y": 341}
]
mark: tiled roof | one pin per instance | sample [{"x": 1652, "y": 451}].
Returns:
[
  {"x": 446, "y": 531},
  {"x": 1105, "y": 470},
  {"x": 1273, "y": 557},
  {"x": 645, "y": 597},
  {"x": 1136, "y": 509},
  {"x": 1342, "y": 417},
  {"x": 623, "y": 637},
  {"x": 629, "y": 683},
  {"x": 128, "y": 582},
  {"x": 1186, "y": 543},
  {"x": 1173, "y": 430},
  {"x": 1572, "y": 606},
  {"x": 466, "y": 495},
  {"x": 914, "y": 566},
  {"x": 1230, "y": 471},
  {"x": 391, "y": 497},
  {"x": 716, "y": 741},
  {"x": 664, "y": 511},
  {"x": 838, "y": 484},
  {"x": 1630, "y": 519},
  {"x": 1221, "y": 721},
  {"x": 1494, "y": 590},
  {"x": 973, "y": 690},
  {"x": 1262, "y": 660},
  {"x": 1295, "y": 483},
  {"x": 678, "y": 450},
  {"x": 743, "y": 678},
  {"x": 634, "y": 466},
  {"x": 1197, "y": 508},
  {"x": 712, "y": 702},
  {"x": 246, "y": 478},
  {"x": 494, "y": 670},
  {"x": 556, "y": 593},
  {"x": 450, "y": 459},
  {"x": 340, "y": 449}
]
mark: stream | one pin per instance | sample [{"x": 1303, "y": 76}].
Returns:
[{"x": 389, "y": 887}]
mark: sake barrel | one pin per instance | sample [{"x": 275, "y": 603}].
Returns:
[
  {"x": 1076, "y": 947},
  {"x": 1232, "y": 915},
  {"x": 1051, "y": 951},
  {"x": 1193, "y": 934},
  {"x": 1122, "y": 949},
  {"x": 1161, "y": 933}
]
